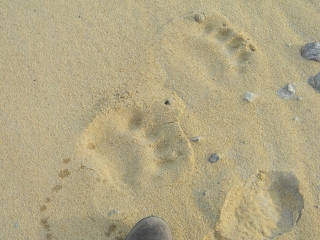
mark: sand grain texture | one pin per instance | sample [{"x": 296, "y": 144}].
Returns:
[{"x": 102, "y": 103}]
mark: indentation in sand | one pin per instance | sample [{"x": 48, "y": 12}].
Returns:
[
  {"x": 137, "y": 143},
  {"x": 213, "y": 45},
  {"x": 269, "y": 207}
]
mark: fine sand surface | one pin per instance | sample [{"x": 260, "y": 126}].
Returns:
[{"x": 101, "y": 100}]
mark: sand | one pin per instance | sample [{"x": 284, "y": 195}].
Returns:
[{"x": 110, "y": 111}]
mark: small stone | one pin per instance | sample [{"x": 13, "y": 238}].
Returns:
[
  {"x": 315, "y": 82},
  {"x": 291, "y": 88},
  {"x": 213, "y": 158},
  {"x": 168, "y": 102},
  {"x": 16, "y": 225},
  {"x": 296, "y": 119},
  {"x": 287, "y": 92},
  {"x": 311, "y": 51},
  {"x": 299, "y": 98},
  {"x": 249, "y": 96},
  {"x": 199, "y": 17},
  {"x": 112, "y": 212},
  {"x": 196, "y": 139}
]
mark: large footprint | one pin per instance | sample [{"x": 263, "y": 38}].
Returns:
[
  {"x": 141, "y": 156},
  {"x": 203, "y": 48},
  {"x": 128, "y": 144},
  {"x": 270, "y": 206}
]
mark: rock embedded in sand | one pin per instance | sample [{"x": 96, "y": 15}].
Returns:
[
  {"x": 315, "y": 82},
  {"x": 168, "y": 102},
  {"x": 196, "y": 139},
  {"x": 249, "y": 96},
  {"x": 291, "y": 88},
  {"x": 287, "y": 92},
  {"x": 311, "y": 51},
  {"x": 213, "y": 158},
  {"x": 199, "y": 17}
]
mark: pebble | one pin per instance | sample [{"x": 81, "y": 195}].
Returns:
[
  {"x": 168, "y": 102},
  {"x": 213, "y": 158},
  {"x": 199, "y": 17},
  {"x": 249, "y": 96},
  {"x": 196, "y": 139},
  {"x": 112, "y": 212},
  {"x": 315, "y": 82},
  {"x": 291, "y": 88},
  {"x": 287, "y": 92},
  {"x": 311, "y": 51}
]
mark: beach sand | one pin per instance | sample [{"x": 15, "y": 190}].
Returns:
[{"x": 110, "y": 111}]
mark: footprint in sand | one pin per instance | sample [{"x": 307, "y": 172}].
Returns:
[
  {"x": 128, "y": 144},
  {"x": 127, "y": 157},
  {"x": 271, "y": 206},
  {"x": 67, "y": 211},
  {"x": 203, "y": 45},
  {"x": 140, "y": 152},
  {"x": 209, "y": 56},
  {"x": 45, "y": 221}
]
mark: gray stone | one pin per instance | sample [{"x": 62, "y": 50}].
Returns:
[
  {"x": 287, "y": 92},
  {"x": 213, "y": 158},
  {"x": 199, "y": 17},
  {"x": 311, "y": 51},
  {"x": 315, "y": 82},
  {"x": 196, "y": 139}
]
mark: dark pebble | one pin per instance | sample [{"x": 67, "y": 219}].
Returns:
[
  {"x": 213, "y": 158},
  {"x": 167, "y": 102},
  {"x": 311, "y": 51},
  {"x": 315, "y": 82}
]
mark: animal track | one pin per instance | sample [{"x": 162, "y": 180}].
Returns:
[
  {"x": 269, "y": 207},
  {"x": 238, "y": 46},
  {"x": 45, "y": 220},
  {"x": 208, "y": 54},
  {"x": 128, "y": 144},
  {"x": 213, "y": 41},
  {"x": 60, "y": 209}
]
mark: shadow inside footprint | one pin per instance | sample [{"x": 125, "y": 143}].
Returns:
[
  {"x": 268, "y": 208},
  {"x": 284, "y": 190},
  {"x": 130, "y": 145}
]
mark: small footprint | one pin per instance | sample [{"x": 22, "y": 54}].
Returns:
[
  {"x": 237, "y": 45},
  {"x": 207, "y": 38},
  {"x": 68, "y": 207},
  {"x": 271, "y": 206},
  {"x": 45, "y": 220},
  {"x": 209, "y": 54}
]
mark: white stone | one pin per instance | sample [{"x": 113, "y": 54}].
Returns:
[
  {"x": 196, "y": 139},
  {"x": 250, "y": 96},
  {"x": 291, "y": 88},
  {"x": 199, "y": 17}
]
